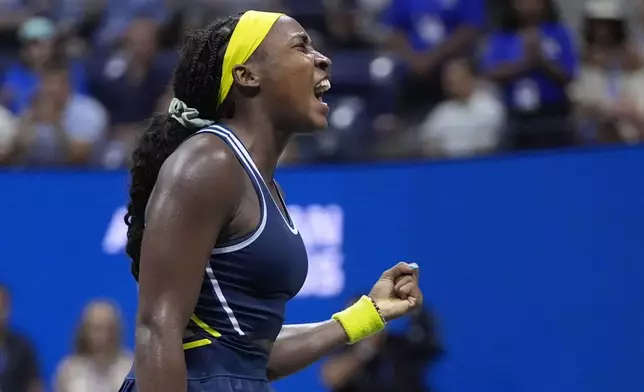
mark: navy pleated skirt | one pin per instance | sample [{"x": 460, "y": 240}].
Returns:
[
  {"x": 219, "y": 368},
  {"x": 215, "y": 384}
]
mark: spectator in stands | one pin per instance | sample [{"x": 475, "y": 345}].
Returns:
[
  {"x": 350, "y": 24},
  {"x": 77, "y": 23},
  {"x": 388, "y": 361},
  {"x": 425, "y": 34},
  {"x": 18, "y": 362},
  {"x": 120, "y": 14},
  {"x": 202, "y": 12},
  {"x": 533, "y": 60},
  {"x": 130, "y": 82},
  {"x": 39, "y": 47},
  {"x": 99, "y": 362},
  {"x": 610, "y": 89},
  {"x": 228, "y": 7},
  {"x": 60, "y": 127},
  {"x": 470, "y": 122},
  {"x": 8, "y": 134}
]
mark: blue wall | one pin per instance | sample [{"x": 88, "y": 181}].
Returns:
[{"x": 535, "y": 265}]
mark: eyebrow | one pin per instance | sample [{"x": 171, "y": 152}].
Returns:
[{"x": 302, "y": 36}]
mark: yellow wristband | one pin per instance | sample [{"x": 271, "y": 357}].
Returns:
[{"x": 360, "y": 320}]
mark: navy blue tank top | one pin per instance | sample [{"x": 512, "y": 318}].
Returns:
[{"x": 246, "y": 285}]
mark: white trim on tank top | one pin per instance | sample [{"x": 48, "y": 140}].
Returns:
[
  {"x": 223, "y": 301},
  {"x": 214, "y": 283},
  {"x": 240, "y": 145},
  {"x": 262, "y": 224}
]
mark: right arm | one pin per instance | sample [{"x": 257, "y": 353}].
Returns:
[{"x": 195, "y": 196}]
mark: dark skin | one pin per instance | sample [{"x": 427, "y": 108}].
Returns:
[{"x": 202, "y": 192}]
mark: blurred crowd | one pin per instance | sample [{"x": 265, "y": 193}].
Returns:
[
  {"x": 98, "y": 362},
  {"x": 391, "y": 361},
  {"x": 411, "y": 78}
]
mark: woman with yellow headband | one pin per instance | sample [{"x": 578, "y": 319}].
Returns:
[{"x": 214, "y": 249}]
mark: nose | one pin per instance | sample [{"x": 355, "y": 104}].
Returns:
[{"x": 322, "y": 62}]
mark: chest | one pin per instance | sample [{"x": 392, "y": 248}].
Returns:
[
  {"x": 284, "y": 267},
  {"x": 274, "y": 260}
]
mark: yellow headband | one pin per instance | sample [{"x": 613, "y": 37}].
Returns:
[{"x": 250, "y": 32}]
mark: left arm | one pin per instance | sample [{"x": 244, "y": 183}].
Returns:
[{"x": 298, "y": 346}]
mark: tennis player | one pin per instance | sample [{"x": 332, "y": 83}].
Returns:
[{"x": 214, "y": 249}]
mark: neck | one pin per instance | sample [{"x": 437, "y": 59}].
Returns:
[{"x": 264, "y": 141}]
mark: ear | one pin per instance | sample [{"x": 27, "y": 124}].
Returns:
[{"x": 245, "y": 76}]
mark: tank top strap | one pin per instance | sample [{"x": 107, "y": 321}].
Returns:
[
  {"x": 273, "y": 203},
  {"x": 248, "y": 166},
  {"x": 239, "y": 148}
]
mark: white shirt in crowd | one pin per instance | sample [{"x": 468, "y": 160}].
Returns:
[
  {"x": 84, "y": 119},
  {"x": 78, "y": 374},
  {"x": 596, "y": 87},
  {"x": 8, "y": 132},
  {"x": 463, "y": 128}
]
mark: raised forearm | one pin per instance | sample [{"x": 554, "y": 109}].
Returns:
[{"x": 298, "y": 346}]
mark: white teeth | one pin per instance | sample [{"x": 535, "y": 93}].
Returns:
[{"x": 323, "y": 86}]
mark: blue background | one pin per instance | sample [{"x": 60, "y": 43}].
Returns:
[{"x": 534, "y": 264}]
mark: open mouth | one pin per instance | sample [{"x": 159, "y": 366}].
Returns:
[{"x": 321, "y": 88}]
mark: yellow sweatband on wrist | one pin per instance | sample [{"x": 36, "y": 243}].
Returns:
[{"x": 360, "y": 320}]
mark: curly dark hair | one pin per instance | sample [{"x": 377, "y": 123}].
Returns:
[{"x": 196, "y": 82}]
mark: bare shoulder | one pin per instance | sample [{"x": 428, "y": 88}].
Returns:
[{"x": 203, "y": 165}]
